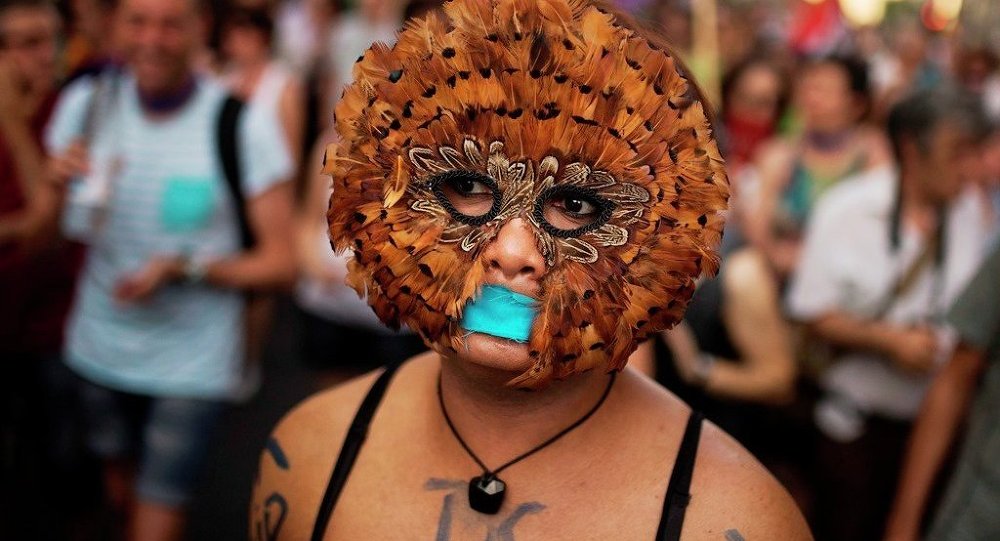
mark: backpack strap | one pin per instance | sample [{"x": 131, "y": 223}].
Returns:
[{"x": 228, "y": 148}]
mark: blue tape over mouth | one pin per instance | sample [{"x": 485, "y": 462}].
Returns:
[{"x": 500, "y": 312}]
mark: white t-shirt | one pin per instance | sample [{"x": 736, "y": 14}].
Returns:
[
  {"x": 271, "y": 86},
  {"x": 848, "y": 265},
  {"x": 168, "y": 197},
  {"x": 264, "y": 106}
]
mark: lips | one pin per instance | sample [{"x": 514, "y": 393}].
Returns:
[{"x": 501, "y": 312}]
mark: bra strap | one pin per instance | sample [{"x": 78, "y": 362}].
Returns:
[
  {"x": 679, "y": 489},
  {"x": 355, "y": 438}
]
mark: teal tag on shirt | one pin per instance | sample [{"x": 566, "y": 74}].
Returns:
[
  {"x": 500, "y": 312},
  {"x": 187, "y": 203}
]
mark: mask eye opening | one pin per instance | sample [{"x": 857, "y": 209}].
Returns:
[
  {"x": 438, "y": 181},
  {"x": 605, "y": 207}
]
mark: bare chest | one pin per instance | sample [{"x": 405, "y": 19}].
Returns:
[{"x": 422, "y": 492}]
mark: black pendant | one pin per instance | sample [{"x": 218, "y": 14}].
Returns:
[{"x": 486, "y": 493}]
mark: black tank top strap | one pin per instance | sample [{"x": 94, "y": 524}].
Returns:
[
  {"x": 349, "y": 451},
  {"x": 679, "y": 489}
]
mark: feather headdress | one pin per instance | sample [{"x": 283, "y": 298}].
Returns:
[{"x": 536, "y": 96}]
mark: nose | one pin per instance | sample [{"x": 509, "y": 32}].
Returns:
[{"x": 514, "y": 256}]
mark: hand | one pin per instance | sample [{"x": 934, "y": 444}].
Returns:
[
  {"x": 72, "y": 163},
  {"x": 141, "y": 285},
  {"x": 914, "y": 349},
  {"x": 684, "y": 347}
]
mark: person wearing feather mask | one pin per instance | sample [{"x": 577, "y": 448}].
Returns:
[{"x": 533, "y": 187}]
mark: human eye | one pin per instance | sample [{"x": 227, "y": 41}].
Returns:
[
  {"x": 569, "y": 211},
  {"x": 470, "y": 197}
]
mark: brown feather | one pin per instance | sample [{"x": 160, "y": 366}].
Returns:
[{"x": 572, "y": 97}]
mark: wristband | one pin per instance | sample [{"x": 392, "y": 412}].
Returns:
[{"x": 193, "y": 269}]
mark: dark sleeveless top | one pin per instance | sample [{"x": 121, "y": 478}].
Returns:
[
  {"x": 674, "y": 505},
  {"x": 739, "y": 418}
]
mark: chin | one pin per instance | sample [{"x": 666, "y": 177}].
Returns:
[{"x": 496, "y": 353}]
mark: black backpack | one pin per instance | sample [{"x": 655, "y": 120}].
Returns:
[{"x": 107, "y": 78}]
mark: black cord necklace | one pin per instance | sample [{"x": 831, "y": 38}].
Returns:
[{"x": 486, "y": 491}]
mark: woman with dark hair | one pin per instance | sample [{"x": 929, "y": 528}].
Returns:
[
  {"x": 831, "y": 99},
  {"x": 533, "y": 187},
  {"x": 754, "y": 96}
]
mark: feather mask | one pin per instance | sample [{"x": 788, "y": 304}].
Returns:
[{"x": 498, "y": 110}]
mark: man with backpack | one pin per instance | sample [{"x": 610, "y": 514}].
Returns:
[{"x": 185, "y": 211}]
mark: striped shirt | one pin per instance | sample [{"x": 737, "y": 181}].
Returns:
[{"x": 168, "y": 197}]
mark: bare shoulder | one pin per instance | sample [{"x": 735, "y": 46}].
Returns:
[
  {"x": 298, "y": 458},
  {"x": 734, "y": 498},
  {"x": 746, "y": 269}
]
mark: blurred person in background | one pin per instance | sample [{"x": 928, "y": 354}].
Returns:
[
  {"x": 674, "y": 17},
  {"x": 754, "y": 96},
  {"x": 90, "y": 43},
  {"x": 352, "y": 34},
  {"x": 265, "y": 84},
  {"x": 831, "y": 99},
  {"x": 967, "y": 386},
  {"x": 984, "y": 187},
  {"x": 301, "y": 30},
  {"x": 738, "y": 39},
  {"x": 273, "y": 96},
  {"x": 977, "y": 68},
  {"x": 904, "y": 67},
  {"x": 990, "y": 185},
  {"x": 37, "y": 274},
  {"x": 733, "y": 343},
  {"x": 29, "y": 31},
  {"x": 973, "y": 67},
  {"x": 732, "y": 359},
  {"x": 156, "y": 332},
  {"x": 341, "y": 336},
  {"x": 885, "y": 255}
]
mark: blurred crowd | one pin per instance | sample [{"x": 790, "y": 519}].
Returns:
[{"x": 161, "y": 198}]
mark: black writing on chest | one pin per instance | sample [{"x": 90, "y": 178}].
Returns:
[
  {"x": 456, "y": 515},
  {"x": 269, "y": 514}
]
